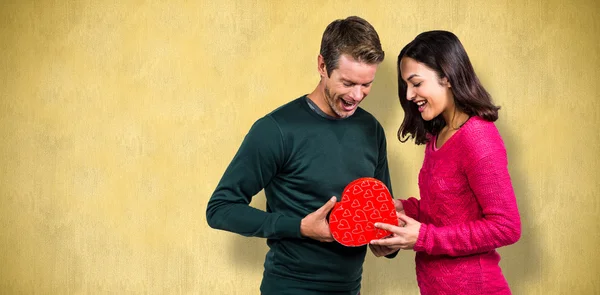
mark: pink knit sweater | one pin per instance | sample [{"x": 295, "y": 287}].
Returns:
[{"x": 467, "y": 210}]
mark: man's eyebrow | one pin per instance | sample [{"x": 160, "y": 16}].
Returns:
[{"x": 352, "y": 82}]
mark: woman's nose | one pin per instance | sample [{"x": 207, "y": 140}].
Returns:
[{"x": 410, "y": 94}]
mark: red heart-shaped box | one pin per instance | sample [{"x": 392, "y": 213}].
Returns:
[{"x": 365, "y": 201}]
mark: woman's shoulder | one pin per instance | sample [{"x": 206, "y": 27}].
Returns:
[
  {"x": 480, "y": 137},
  {"x": 479, "y": 124}
]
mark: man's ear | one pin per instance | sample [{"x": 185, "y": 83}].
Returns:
[{"x": 321, "y": 67}]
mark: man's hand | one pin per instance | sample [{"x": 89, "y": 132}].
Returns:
[
  {"x": 398, "y": 205},
  {"x": 315, "y": 225},
  {"x": 399, "y": 209},
  {"x": 379, "y": 250}
]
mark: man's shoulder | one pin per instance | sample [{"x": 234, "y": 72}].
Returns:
[
  {"x": 290, "y": 113},
  {"x": 289, "y": 108},
  {"x": 275, "y": 120}
]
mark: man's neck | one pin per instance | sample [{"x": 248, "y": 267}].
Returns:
[{"x": 318, "y": 97}]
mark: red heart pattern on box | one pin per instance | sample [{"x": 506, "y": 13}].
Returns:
[{"x": 364, "y": 202}]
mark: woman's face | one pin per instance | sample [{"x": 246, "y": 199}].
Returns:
[{"x": 431, "y": 94}]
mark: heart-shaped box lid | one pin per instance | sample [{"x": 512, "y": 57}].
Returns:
[{"x": 364, "y": 202}]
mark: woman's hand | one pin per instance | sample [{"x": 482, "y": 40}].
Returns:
[{"x": 404, "y": 237}]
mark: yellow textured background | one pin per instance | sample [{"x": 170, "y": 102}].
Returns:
[{"x": 118, "y": 119}]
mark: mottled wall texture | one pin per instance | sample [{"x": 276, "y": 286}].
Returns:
[{"x": 118, "y": 118}]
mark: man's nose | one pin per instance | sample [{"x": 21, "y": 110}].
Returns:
[{"x": 357, "y": 92}]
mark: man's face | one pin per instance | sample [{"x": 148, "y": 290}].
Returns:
[{"x": 347, "y": 85}]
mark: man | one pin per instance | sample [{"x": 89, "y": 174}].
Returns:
[{"x": 302, "y": 154}]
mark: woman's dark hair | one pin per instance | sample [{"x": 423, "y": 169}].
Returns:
[{"x": 442, "y": 52}]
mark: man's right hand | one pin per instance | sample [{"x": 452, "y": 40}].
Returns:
[
  {"x": 315, "y": 225},
  {"x": 399, "y": 209},
  {"x": 398, "y": 205}
]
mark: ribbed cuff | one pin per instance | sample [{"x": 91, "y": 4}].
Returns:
[
  {"x": 420, "y": 245},
  {"x": 409, "y": 209},
  {"x": 392, "y": 255},
  {"x": 288, "y": 227}
]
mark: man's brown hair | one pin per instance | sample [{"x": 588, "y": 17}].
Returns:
[{"x": 353, "y": 36}]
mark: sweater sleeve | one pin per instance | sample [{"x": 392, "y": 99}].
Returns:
[
  {"x": 500, "y": 224},
  {"x": 411, "y": 207},
  {"x": 382, "y": 171},
  {"x": 256, "y": 162}
]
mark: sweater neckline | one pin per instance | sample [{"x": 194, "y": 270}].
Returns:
[{"x": 451, "y": 139}]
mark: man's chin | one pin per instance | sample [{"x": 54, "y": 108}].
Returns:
[{"x": 345, "y": 114}]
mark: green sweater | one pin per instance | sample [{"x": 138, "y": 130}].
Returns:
[{"x": 300, "y": 159}]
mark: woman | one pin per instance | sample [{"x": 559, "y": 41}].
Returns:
[{"x": 467, "y": 207}]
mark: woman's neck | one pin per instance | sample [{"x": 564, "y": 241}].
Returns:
[{"x": 455, "y": 120}]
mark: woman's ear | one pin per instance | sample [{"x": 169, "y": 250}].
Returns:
[{"x": 445, "y": 82}]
